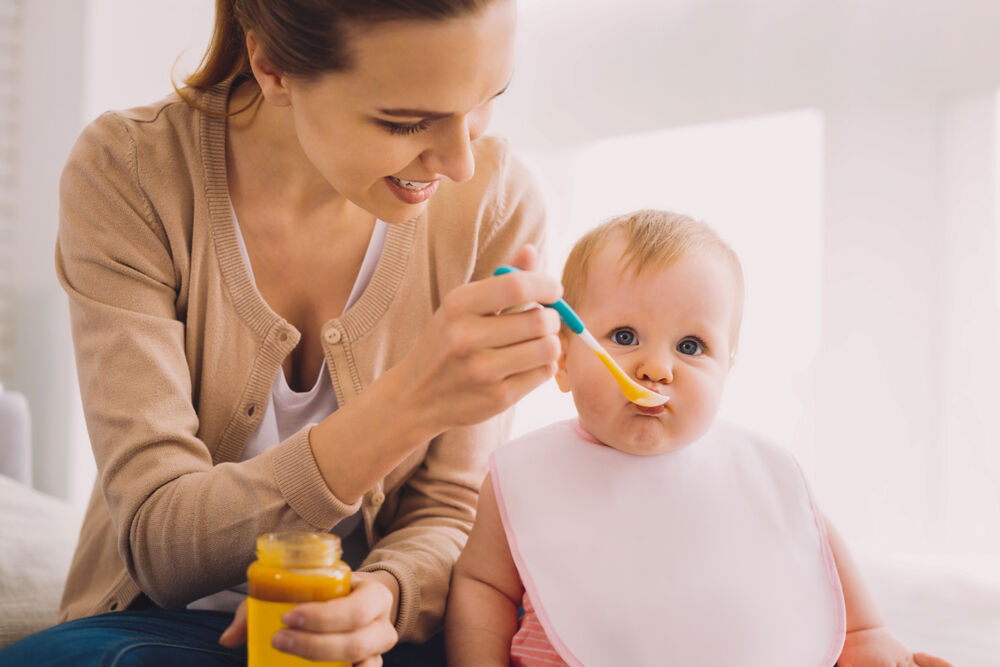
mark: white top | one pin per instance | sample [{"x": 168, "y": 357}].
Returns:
[{"x": 289, "y": 410}]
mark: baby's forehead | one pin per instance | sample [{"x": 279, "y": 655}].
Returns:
[
  {"x": 612, "y": 269},
  {"x": 618, "y": 263}
]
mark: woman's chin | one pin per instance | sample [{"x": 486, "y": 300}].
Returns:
[{"x": 399, "y": 213}]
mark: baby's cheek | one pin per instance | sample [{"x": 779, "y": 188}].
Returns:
[
  {"x": 708, "y": 407},
  {"x": 594, "y": 408},
  {"x": 588, "y": 403}
]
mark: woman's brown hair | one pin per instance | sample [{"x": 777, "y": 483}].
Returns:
[{"x": 305, "y": 38}]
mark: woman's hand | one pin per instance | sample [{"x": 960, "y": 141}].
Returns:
[
  {"x": 875, "y": 647},
  {"x": 355, "y": 628},
  {"x": 475, "y": 358},
  {"x": 479, "y": 353}
]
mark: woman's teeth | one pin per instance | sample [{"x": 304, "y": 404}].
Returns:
[{"x": 410, "y": 185}]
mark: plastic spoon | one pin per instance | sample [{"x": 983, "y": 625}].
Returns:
[{"x": 633, "y": 391}]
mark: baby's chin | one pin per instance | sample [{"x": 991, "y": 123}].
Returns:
[
  {"x": 646, "y": 448},
  {"x": 645, "y": 437},
  {"x": 632, "y": 433},
  {"x": 645, "y": 442}
]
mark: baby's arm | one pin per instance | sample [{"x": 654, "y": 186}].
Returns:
[
  {"x": 485, "y": 593},
  {"x": 868, "y": 642}
]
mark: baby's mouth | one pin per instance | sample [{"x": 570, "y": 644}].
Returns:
[{"x": 654, "y": 411}]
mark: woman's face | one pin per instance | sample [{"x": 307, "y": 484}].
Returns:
[{"x": 386, "y": 131}]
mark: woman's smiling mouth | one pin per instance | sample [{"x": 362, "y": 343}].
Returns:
[{"x": 411, "y": 192}]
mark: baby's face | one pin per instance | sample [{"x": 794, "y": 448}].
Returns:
[{"x": 671, "y": 329}]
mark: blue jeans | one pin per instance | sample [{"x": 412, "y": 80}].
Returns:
[{"x": 155, "y": 637}]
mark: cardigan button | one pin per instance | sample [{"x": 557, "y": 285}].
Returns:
[
  {"x": 378, "y": 498},
  {"x": 283, "y": 337},
  {"x": 332, "y": 335}
]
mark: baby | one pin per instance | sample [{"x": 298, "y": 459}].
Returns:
[{"x": 656, "y": 536}]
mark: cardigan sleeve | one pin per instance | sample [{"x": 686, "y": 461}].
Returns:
[
  {"x": 184, "y": 526},
  {"x": 437, "y": 505}
]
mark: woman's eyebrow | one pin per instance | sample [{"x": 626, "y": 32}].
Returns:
[
  {"x": 414, "y": 113},
  {"x": 429, "y": 115}
]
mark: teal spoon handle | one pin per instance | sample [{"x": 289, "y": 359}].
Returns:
[{"x": 567, "y": 314}]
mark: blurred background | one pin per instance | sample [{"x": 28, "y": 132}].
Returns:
[{"x": 847, "y": 150}]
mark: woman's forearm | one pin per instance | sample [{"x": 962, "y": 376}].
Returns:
[{"x": 362, "y": 442}]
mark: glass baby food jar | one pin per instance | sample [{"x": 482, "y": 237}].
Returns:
[{"x": 291, "y": 567}]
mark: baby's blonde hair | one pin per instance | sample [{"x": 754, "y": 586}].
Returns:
[{"x": 653, "y": 240}]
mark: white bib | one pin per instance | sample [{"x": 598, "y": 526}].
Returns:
[{"x": 712, "y": 555}]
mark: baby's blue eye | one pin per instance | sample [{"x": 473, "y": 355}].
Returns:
[
  {"x": 624, "y": 337},
  {"x": 690, "y": 346}
]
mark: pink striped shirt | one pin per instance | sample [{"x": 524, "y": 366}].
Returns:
[{"x": 530, "y": 646}]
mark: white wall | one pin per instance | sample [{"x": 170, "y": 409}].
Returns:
[
  {"x": 132, "y": 46},
  {"x": 905, "y": 444},
  {"x": 51, "y": 87},
  {"x": 79, "y": 58},
  {"x": 897, "y": 396}
]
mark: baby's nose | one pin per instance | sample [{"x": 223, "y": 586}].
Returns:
[{"x": 655, "y": 368}]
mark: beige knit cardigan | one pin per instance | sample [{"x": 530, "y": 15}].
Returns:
[{"x": 176, "y": 351}]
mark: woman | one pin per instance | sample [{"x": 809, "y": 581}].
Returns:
[{"x": 283, "y": 320}]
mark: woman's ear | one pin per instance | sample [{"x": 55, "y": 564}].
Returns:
[{"x": 273, "y": 85}]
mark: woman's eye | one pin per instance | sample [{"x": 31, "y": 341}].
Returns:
[
  {"x": 624, "y": 337},
  {"x": 404, "y": 128},
  {"x": 690, "y": 346}
]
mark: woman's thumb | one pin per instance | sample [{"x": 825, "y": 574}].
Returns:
[
  {"x": 236, "y": 634},
  {"x": 526, "y": 258}
]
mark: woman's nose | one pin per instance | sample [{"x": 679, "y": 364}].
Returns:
[{"x": 451, "y": 153}]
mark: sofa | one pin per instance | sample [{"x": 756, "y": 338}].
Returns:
[
  {"x": 37, "y": 531},
  {"x": 37, "y": 535}
]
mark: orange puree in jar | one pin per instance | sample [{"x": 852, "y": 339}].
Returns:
[{"x": 290, "y": 568}]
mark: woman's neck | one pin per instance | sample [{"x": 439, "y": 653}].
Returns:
[{"x": 264, "y": 156}]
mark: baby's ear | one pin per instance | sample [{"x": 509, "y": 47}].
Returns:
[{"x": 562, "y": 377}]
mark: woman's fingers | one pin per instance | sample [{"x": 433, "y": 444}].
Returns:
[
  {"x": 357, "y": 646},
  {"x": 497, "y": 293},
  {"x": 503, "y": 364},
  {"x": 367, "y": 602},
  {"x": 354, "y": 628},
  {"x": 526, "y": 258},
  {"x": 925, "y": 660},
  {"x": 488, "y": 333},
  {"x": 236, "y": 634}
]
